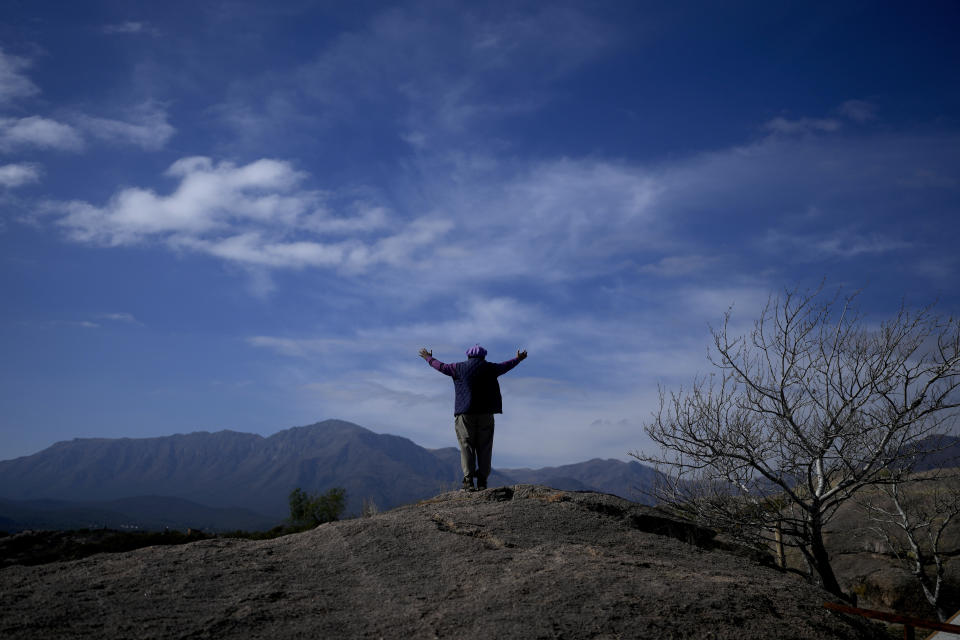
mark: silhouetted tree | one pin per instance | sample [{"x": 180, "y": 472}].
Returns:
[{"x": 813, "y": 405}]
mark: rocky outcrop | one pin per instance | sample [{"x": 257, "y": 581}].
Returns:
[{"x": 523, "y": 561}]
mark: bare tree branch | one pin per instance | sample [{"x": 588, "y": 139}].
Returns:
[{"x": 802, "y": 414}]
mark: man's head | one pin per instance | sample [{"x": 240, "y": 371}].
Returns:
[{"x": 476, "y": 351}]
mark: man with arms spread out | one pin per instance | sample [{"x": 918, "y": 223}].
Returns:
[{"x": 478, "y": 397}]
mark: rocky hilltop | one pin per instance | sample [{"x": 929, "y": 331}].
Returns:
[{"x": 523, "y": 561}]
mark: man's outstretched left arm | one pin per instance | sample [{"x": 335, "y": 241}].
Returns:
[{"x": 503, "y": 367}]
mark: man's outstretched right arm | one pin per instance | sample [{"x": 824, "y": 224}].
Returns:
[{"x": 448, "y": 369}]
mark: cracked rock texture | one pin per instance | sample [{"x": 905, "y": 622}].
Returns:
[{"x": 514, "y": 562}]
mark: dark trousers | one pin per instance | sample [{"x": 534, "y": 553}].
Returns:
[{"x": 475, "y": 435}]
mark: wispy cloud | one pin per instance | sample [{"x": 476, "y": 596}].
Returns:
[
  {"x": 127, "y": 318},
  {"x": 16, "y": 175},
  {"x": 129, "y": 27},
  {"x": 148, "y": 129},
  {"x": 14, "y": 84},
  {"x": 300, "y": 348},
  {"x": 842, "y": 244},
  {"x": 436, "y": 72},
  {"x": 82, "y": 324},
  {"x": 38, "y": 132},
  {"x": 677, "y": 266},
  {"x": 559, "y": 221},
  {"x": 488, "y": 320},
  {"x": 147, "y": 126},
  {"x": 858, "y": 110},
  {"x": 786, "y": 126}
]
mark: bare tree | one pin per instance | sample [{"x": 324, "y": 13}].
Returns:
[
  {"x": 912, "y": 520},
  {"x": 802, "y": 413}
]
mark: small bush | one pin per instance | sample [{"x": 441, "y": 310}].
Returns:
[
  {"x": 369, "y": 508},
  {"x": 311, "y": 509}
]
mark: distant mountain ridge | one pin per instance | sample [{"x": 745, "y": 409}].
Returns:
[
  {"x": 244, "y": 475},
  {"x": 151, "y": 513}
]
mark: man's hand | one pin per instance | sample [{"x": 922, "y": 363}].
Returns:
[
  {"x": 426, "y": 355},
  {"x": 521, "y": 354}
]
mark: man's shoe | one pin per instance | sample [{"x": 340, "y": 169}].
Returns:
[
  {"x": 467, "y": 486},
  {"x": 481, "y": 487}
]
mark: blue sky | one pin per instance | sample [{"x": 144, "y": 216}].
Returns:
[{"x": 251, "y": 215}]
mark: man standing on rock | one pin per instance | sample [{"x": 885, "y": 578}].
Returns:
[{"x": 477, "y": 394}]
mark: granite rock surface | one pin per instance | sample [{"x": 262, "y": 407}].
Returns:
[{"x": 513, "y": 562}]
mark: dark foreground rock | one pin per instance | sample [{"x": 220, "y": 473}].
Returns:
[{"x": 521, "y": 562}]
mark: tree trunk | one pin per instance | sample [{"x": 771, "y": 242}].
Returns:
[
  {"x": 931, "y": 590},
  {"x": 821, "y": 560},
  {"x": 781, "y": 552}
]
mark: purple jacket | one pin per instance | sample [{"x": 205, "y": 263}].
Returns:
[{"x": 475, "y": 383}]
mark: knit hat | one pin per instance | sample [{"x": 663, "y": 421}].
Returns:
[{"x": 476, "y": 351}]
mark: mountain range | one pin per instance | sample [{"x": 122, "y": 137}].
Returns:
[{"x": 231, "y": 480}]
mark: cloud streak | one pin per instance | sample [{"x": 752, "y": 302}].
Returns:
[
  {"x": 438, "y": 72},
  {"x": 128, "y": 28},
  {"x": 38, "y": 132},
  {"x": 14, "y": 84},
  {"x": 16, "y": 175},
  {"x": 148, "y": 130}
]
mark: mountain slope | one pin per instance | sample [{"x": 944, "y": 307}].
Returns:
[
  {"x": 625, "y": 479},
  {"x": 230, "y": 469},
  {"x": 233, "y": 470}
]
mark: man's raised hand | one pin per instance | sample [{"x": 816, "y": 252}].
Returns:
[
  {"x": 426, "y": 354},
  {"x": 522, "y": 354}
]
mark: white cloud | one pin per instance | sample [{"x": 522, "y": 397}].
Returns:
[
  {"x": 15, "y": 175},
  {"x": 476, "y": 222},
  {"x": 254, "y": 249},
  {"x": 255, "y": 215},
  {"x": 148, "y": 128},
  {"x": 36, "y": 131},
  {"x": 210, "y": 197},
  {"x": 487, "y": 320},
  {"x": 367, "y": 218},
  {"x": 551, "y": 222},
  {"x": 14, "y": 84}
]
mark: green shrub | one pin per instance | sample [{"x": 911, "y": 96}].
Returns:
[{"x": 311, "y": 509}]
